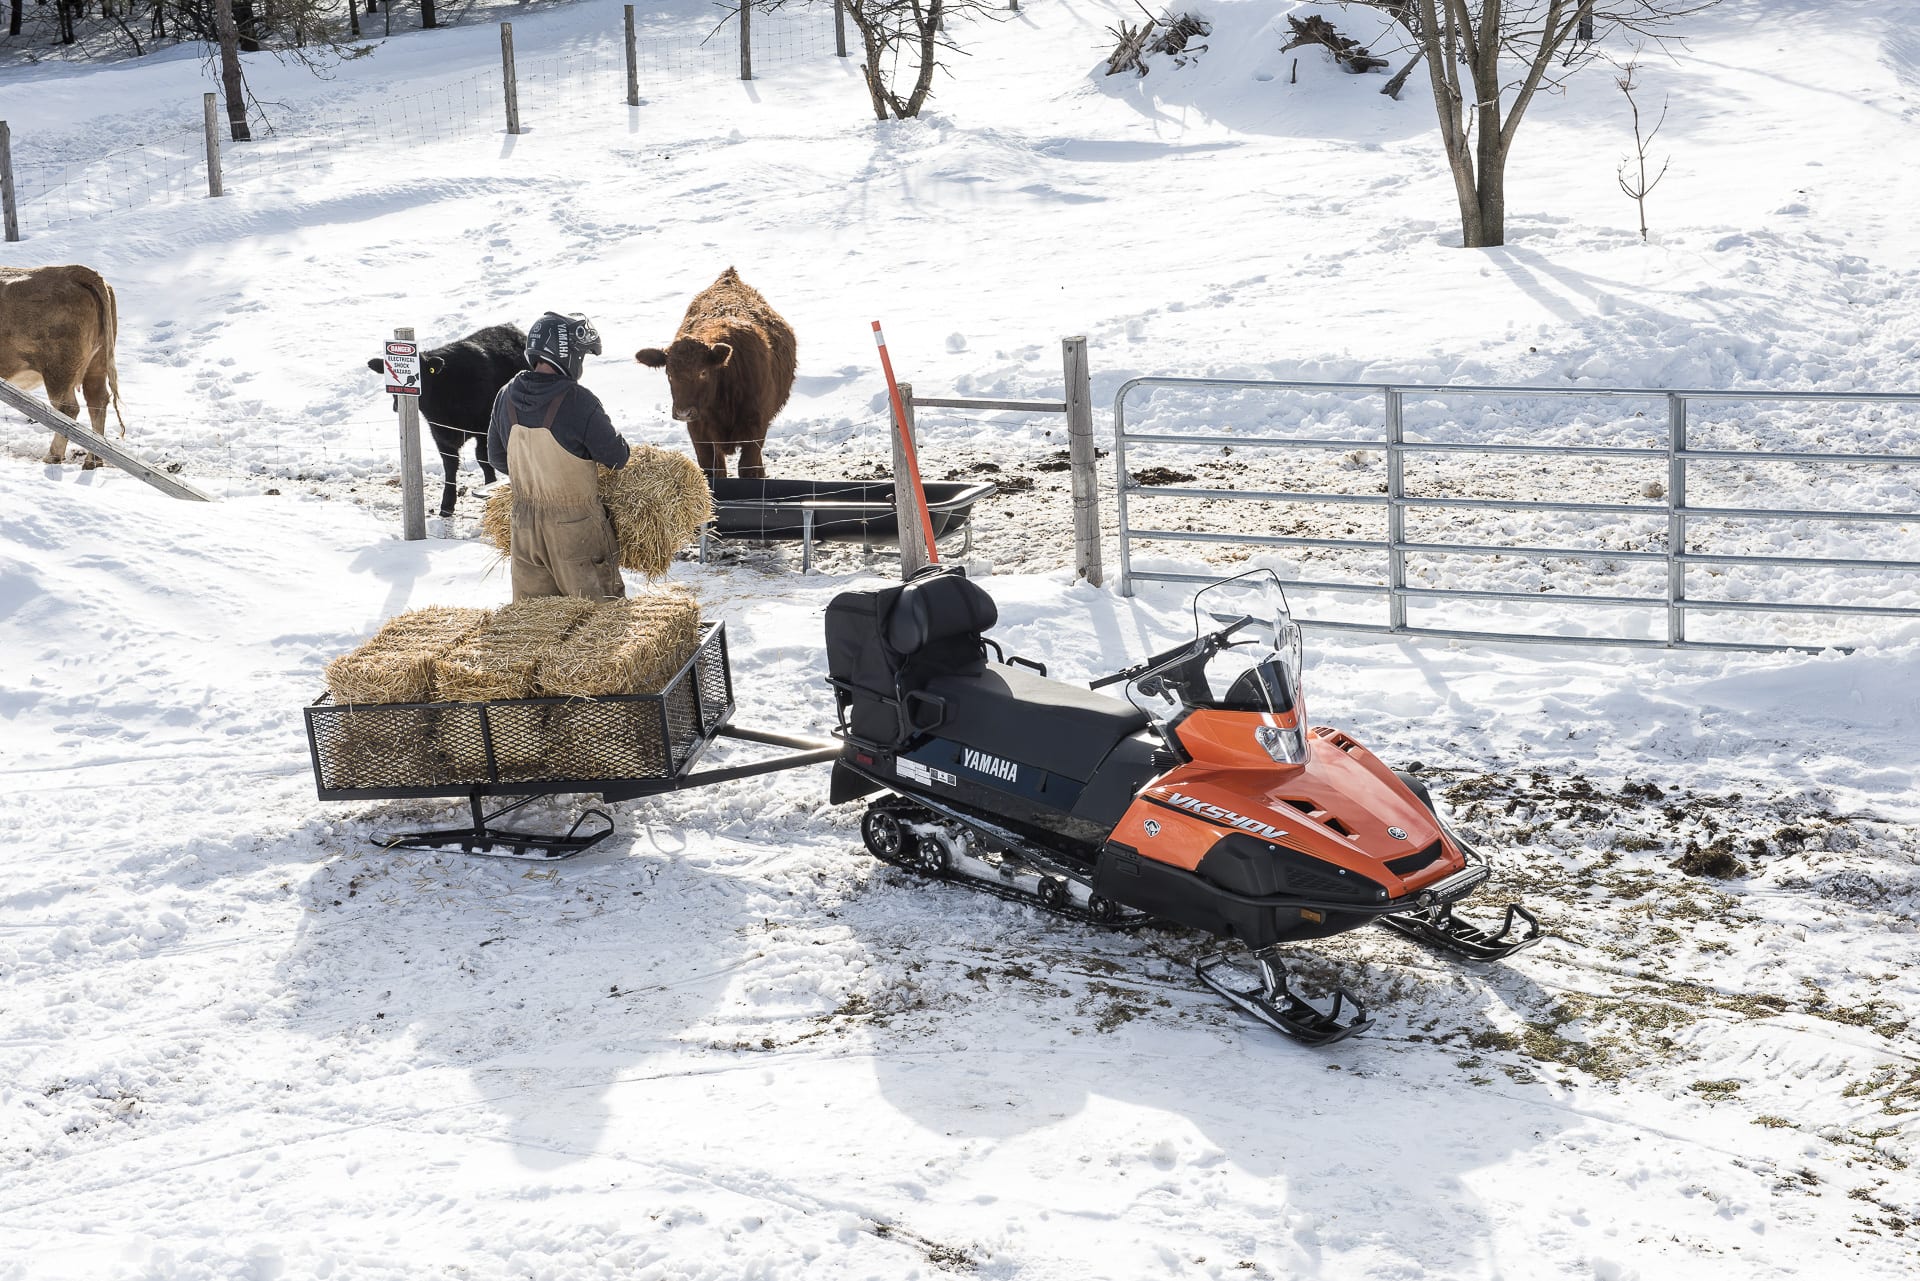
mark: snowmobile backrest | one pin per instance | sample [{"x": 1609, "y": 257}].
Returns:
[
  {"x": 884, "y": 646},
  {"x": 936, "y": 623}
]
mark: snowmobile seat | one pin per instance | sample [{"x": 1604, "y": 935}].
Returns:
[{"x": 1019, "y": 715}]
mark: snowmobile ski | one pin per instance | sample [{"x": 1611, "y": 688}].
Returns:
[
  {"x": 1441, "y": 929},
  {"x": 1269, "y": 999}
]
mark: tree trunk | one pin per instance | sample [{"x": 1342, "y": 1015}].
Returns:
[
  {"x": 929, "y": 29},
  {"x": 232, "y": 79},
  {"x": 247, "y": 23},
  {"x": 13, "y": 21}
]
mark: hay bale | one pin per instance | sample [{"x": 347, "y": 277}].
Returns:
[
  {"x": 631, "y": 646},
  {"x": 500, "y": 659},
  {"x": 396, "y": 666},
  {"x": 658, "y": 502}
]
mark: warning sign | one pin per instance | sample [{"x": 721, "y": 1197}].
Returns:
[{"x": 403, "y": 368}]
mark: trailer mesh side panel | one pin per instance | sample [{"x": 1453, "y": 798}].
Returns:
[{"x": 427, "y": 749}]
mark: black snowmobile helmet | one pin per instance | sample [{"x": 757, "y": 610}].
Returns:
[{"x": 563, "y": 342}]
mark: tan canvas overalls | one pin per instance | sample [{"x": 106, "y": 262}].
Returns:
[{"x": 563, "y": 541}]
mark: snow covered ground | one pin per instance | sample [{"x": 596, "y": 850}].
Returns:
[{"x": 240, "y": 1041}]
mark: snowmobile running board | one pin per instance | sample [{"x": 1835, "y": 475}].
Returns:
[
  {"x": 484, "y": 839},
  {"x": 1441, "y": 929}
]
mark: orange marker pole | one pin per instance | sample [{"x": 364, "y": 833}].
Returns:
[{"x": 906, "y": 441}]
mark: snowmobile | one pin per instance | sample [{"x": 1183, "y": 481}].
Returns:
[{"x": 1204, "y": 800}]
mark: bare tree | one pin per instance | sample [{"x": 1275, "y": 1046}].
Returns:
[
  {"x": 1487, "y": 59},
  {"x": 1638, "y": 186},
  {"x": 904, "y": 39},
  {"x": 233, "y": 81}
]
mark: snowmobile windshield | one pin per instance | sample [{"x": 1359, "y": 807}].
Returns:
[{"x": 1246, "y": 656}]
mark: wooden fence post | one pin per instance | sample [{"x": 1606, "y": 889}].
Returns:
[
  {"x": 413, "y": 494},
  {"x": 746, "y": 39},
  {"x": 212, "y": 111},
  {"x": 1080, "y": 450},
  {"x": 7, "y": 210},
  {"x": 633, "y": 64},
  {"x": 839, "y": 28},
  {"x": 506, "y": 78},
  {"x": 906, "y": 503}
]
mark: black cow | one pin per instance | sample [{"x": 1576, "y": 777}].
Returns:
[{"x": 457, "y": 385}]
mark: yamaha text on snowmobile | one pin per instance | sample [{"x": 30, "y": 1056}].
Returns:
[{"x": 1204, "y": 800}]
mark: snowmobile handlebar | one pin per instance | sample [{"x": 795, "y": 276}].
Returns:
[{"x": 1199, "y": 650}]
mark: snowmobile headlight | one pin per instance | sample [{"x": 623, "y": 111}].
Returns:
[{"x": 1285, "y": 746}]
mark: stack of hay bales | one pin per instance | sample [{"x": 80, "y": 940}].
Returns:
[
  {"x": 631, "y": 646},
  {"x": 395, "y": 749},
  {"x": 396, "y": 666},
  {"x": 550, "y": 647},
  {"x": 500, "y": 662},
  {"x": 658, "y": 502}
]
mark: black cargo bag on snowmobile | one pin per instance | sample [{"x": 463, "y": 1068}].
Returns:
[{"x": 884, "y": 646}]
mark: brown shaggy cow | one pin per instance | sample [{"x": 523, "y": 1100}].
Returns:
[
  {"x": 730, "y": 368},
  {"x": 58, "y": 326}
]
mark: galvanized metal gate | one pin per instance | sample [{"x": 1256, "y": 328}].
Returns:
[{"x": 1410, "y": 458}]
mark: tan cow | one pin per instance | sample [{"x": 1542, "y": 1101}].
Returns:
[{"x": 57, "y": 330}]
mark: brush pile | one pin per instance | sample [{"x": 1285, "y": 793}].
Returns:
[{"x": 658, "y": 502}]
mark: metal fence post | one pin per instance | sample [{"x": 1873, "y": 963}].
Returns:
[
  {"x": 906, "y": 503},
  {"x": 1086, "y": 479},
  {"x": 413, "y": 499},
  {"x": 507, "y": 78},
  {"x": 746, "y": 39},
  {"x": 10, "y": 214},
  {"x": 633, "y": 64},
  {"x": 211, "y": 112},
  {"x": 1396, "y": 515},
  {"x": 1676, "y": 519},
  {"x": 840, "y": 28},
  {"x": 1120, "y": 483}
]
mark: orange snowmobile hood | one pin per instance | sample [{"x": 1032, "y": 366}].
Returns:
[{"x": 1343, "y": 806}]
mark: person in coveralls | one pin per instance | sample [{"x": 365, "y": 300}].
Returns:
[{"x": 548, "y": 433}]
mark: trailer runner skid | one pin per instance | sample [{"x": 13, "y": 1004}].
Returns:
[{"x": 1205, "y": 800}]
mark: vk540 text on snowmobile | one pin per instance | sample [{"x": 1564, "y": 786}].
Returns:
[{"x": 1203, "y": 801}]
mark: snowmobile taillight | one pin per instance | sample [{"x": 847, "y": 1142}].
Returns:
[{"x": 1285, "y": 746}]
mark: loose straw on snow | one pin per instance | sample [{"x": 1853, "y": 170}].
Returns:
[{"x": 658, "y": 502}]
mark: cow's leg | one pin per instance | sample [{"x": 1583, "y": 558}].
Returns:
[
  {"x": 94, "y": 388},
  {"x": 751, "y": 467},
  {"x": 69, "y": 404},
  {"x": 712, "y": 461},
  {"x": 480, "y": 456},
  {"x": 447, "y": 441}
]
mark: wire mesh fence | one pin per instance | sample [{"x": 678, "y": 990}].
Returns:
[{"x": 53, "y": 190}]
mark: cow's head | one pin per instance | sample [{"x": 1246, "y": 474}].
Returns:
[
  {"x": 431, "y": 367},
  {"x": 693, "y": 372}
]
